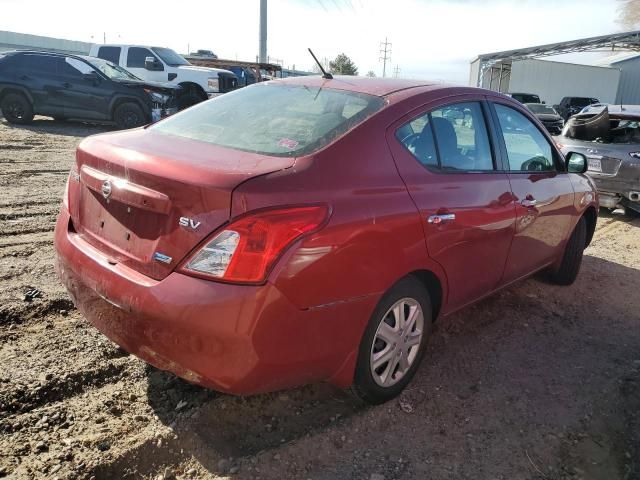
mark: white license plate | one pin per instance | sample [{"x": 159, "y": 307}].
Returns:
[{"x": 595, "y": 165}]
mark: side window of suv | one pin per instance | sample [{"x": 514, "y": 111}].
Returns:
[
  {"x": 39, "y": 63},
  {"x": 72, "y": 67},
  {"x": 452, "y": 138},
  {"x": 137, "y": 55},
  {"x": 110, "y": 53},
  {"x": 527, "y": 148}
]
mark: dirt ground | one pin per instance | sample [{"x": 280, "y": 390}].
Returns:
[{"x": 537, "y": 382}]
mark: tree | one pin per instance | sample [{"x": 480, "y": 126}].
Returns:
[
  {"x": 371, "y": 73},
  {"x": 629, "y": 13},
  {"x": 343, "y": 65}
]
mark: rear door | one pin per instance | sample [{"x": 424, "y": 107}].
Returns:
[
  {"x": 542, "y": 189},
  {"x": 444, "y": 154},
  {"x": 37, "y": 72}
]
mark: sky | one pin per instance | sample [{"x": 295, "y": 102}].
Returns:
[{"x": 430, "y": 39}]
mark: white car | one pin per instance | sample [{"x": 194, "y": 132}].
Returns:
[{"x": 160, "y": 64}]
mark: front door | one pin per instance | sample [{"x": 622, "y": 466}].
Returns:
[
  {"x": 135, "y": 58},
  {"x": 84, "y": 96},
  {"x": 543, "y": 193},
  {"x": 445, "y": 157}
]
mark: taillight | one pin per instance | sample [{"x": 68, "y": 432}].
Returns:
[{"x": 246, "y": 249}]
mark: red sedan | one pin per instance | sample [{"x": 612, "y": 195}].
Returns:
[{"x": 311, "y": 230}]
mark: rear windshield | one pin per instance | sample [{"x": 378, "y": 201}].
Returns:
[
  {"x": 272, "y": 119},
  {"x": 526, "y": 98},
  {"x": 583, "y": 102}
]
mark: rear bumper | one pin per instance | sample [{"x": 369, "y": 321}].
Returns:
[{"x": 235, "y": 339}]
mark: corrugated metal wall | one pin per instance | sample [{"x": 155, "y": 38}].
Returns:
[
  {"x": 629, "y": 88},
  {"x": 554, "y": 80},
  {"x": 22, "y": 41}
]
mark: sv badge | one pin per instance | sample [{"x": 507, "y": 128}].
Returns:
[{"x": 188, "y": 222}]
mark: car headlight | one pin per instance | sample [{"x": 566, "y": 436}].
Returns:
[
  {"x": 157, "y": 97},
  {"x": 213, "y": 84}
]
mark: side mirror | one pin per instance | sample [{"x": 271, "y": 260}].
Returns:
[
  {"x": 544, "y": 103},
  {"x": 576, "y": 162},
  {"x": 151, "y": 64}
]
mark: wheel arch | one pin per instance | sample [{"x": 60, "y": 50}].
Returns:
[
  {"x": 433, "y": 285},
  {"x": 591, "y": 217},
  {"x": 6, "y": 90},
  {"x": 121, "y": 99},
  {"x": 194, "y": 87}
]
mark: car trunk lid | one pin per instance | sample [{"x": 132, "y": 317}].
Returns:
[{"x": 146, "y": 199}]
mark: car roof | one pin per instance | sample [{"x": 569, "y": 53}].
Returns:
[
  {"x": 42, "y": 52},
  {"x": 372, "y": 86}
]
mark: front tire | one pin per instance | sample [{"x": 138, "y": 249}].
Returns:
[
  {"x": 568, "y": 270},
  {"x": 17, "y": 108},
  {"x": 394, "y": 342},
  {"x": 129, "y": 115}
]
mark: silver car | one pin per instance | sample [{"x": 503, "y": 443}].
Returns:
[{"x": 609, "y": 136}]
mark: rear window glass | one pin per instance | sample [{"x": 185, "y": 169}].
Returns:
[
  {"x": 271, "y": 119},
  {"x": 583, "y": 102}
]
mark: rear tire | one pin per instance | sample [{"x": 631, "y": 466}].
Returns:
[
  {"x": 394, "y": 342},
  {"x": 567, "y": 273},
  {"x": 17, "y": 108},
  {"x": 129, "y": 115}
]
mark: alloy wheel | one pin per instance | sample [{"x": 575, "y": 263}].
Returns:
[{"x": 396, "y": 342}]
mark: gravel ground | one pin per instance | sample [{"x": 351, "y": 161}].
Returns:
[{"x": 536, "y": 382}]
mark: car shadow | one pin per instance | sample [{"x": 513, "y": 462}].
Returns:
[
  {"x": 68, "y": 128},
  {"x": 529, "y": 370}
]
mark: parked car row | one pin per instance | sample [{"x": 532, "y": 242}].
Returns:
[{"x": 79, "y": 87}]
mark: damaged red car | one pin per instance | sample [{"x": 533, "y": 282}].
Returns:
[{"x": 311, "y": 229}]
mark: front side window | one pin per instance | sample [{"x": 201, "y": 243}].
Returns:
[
  {"x": 452, "y": 138},
  {"x": 72, "y": 67},
  {"x": 272, "y": 119},
  {"x": 527, "y": 148},
  {"x": 111, "y": 54},
  {"x": 136, "y": 57}
]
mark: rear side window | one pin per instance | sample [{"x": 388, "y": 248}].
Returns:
[
  {"x": 527, "y": 148},
  {"x": 39, "y": 63},
  {"x": 110, "y": 53},
  {"x": 137, "y": 55},
  {"x": 272, "y": 119},
  {"x": 452, "y": 138}
]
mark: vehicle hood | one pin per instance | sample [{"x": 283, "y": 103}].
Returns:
[
  {"x": 147, "y": 84},
  {"x": 203, "y": 70},
  {"x": 548, "y": 117}
]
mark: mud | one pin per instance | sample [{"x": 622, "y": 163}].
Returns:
[{"x": 536, "y": 382}]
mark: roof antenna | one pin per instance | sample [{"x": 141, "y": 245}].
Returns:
[{"x": 325, "y": 74}]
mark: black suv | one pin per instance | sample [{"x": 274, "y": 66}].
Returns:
[
  {"x": 569, "y": 106},
  {"x": 78, "y": 87}
]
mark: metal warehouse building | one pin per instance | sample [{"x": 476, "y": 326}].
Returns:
[
  {"x": 23, "y": 41},
  {"x": 614, "y": 79}
]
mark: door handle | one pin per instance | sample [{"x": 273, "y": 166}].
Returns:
[
  {"x": 443, "y": 218},
  {"x": 529, "y": 202}
]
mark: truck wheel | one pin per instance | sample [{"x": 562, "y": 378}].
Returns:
[
  {"x": 567, "y": 273},
  {"x": 129, "y": 115},
  {"x": 17, "y": 108},
  {"x": 394, "y": 342}
]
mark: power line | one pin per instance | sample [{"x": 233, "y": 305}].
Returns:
[
  {"x": 385, "y": 55},
  {"x": 396, "y": 71}
]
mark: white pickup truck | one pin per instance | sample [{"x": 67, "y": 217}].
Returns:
[{"x": 161, "y": 64}]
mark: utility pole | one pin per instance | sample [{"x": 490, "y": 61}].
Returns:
[
  {"x": 385, "y": 55},
  {"x": 263, "y": 31},
  {"x": 396, "y": 71},
  {"x": 104, "y": 37}
]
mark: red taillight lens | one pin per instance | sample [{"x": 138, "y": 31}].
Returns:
[{"x": 246, "y": 249}]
